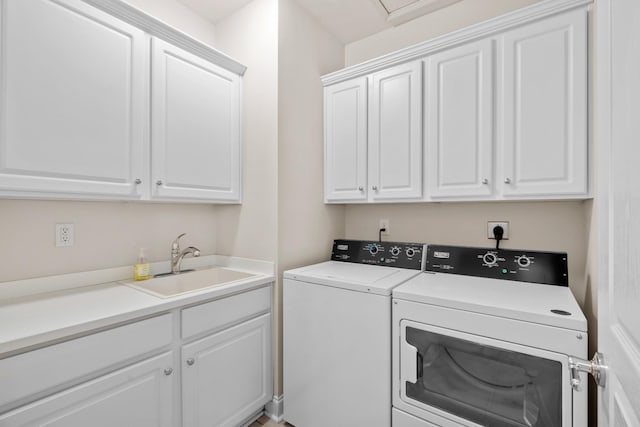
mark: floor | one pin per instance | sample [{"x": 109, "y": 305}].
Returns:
[{"x": 265, "y": 421}]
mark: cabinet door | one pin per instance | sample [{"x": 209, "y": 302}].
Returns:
[
  {"x": 72, "y": 104},
  {"x": 227, "y": 376},
  {"x": 395, "y": 136},
  {"x": 345, "y": 140},
  {"x": 545, "y": 107},
  {"x": 195, "y": 127},
  {"x": 459, "y": 121},
  {"x": 140, "y": 395}
]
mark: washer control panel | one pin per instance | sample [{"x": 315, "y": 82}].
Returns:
[
  {"x": 519, "y": 265},
  {"x": 389, "y": 254}
]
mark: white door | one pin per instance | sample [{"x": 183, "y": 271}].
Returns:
[
  {"x": 618, "y": 124},
  {"x": 395, "y": 135},
  {"x": 72, "y": 101},
  {"x": 345, "y": 140},
  {"x": 227, "y": 377},
  {"x": 544, "y": 107},
  {"x": 195, "y": 139},
  {"x": 140, "y": 395},
  {"x": 459, "y": 121}
]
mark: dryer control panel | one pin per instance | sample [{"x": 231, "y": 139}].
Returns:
[
  {"x": 388, "y": 254},
  {"x": 548, "y": 268}
]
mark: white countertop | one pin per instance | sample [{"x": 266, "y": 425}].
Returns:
[{"x": 42, "y": 311}]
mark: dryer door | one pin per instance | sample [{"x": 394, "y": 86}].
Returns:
[{"x": 481, "y": 381}]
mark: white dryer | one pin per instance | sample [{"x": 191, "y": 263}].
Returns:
[
  {"x": 337, "y": 334},
  {"x": 486, "y": 338}
]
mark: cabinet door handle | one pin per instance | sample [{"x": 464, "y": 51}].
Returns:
[
  {"x": 485, "y": 181},
  {"x": 374, "y": 188},
  {"x": 138, "y": 181},
  {"x": 507, "y": 180},
  {"x": 361, "y": 188},
  {"x": 191, "y": 361},
  {"x": 168, "y": 371},
  {"x": 159, "y": 182}
]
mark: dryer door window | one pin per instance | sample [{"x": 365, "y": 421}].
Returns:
[{"x": 484, "y": 383}]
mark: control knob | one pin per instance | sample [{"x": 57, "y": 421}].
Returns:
[
  {"x": 373, "y": 250},
  {"x": 490, "y": 258},
  {"x": 395, "y": 251},
  {"x": 410, "y": 252},
  {"x": 523, "y": 261}
]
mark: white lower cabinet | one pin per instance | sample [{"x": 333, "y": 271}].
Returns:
[
  {"x": 131, "y": 375},
  {"x": 226, "y": 376},
  {"x": 139, "y": 395}
]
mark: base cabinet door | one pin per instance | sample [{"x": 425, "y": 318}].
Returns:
[
  {"x": 544, "y": 108},
  {"x": 72, "y": 101},
  {"x": 140, "y": 395},
  {"x": 195, "y": 137},
  {"x": 226, "y": 377}
]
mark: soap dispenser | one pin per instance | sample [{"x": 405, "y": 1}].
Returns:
[{"x": 141, "y": 268}]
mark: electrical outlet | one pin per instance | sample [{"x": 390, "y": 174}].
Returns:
[
  {"x": 384, "y": 223},
  {"x": 64, "y": 235},
  {"x": 503, "y": 224}
]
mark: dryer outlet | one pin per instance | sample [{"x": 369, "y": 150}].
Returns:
[
  {"x": 384, "y": 223},
  {"x": 492, "y": 224}
]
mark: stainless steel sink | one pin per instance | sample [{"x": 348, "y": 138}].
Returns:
[{"x": 166, "y": 285}]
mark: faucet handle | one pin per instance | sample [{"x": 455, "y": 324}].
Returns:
[{"x": 176, "y": 244}]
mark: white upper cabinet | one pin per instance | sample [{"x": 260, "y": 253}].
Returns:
[
  {"x": 90, "y": 108},
  {"x": 195, "y": 127},
  {"x": 459, "y": 121},
  {"x": 395, "y": 133},
  {"x": 373, "y": 136},
  {"x": 544, "y": 108},
  {"x": 72, "y": 101},
  {"x": 345, "y": 133},
  {"x": 505, "y": 114}
]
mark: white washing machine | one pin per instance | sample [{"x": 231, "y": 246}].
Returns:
[
  {"x": 337, "y": 334},
  {"x": 486, "y": 338}
]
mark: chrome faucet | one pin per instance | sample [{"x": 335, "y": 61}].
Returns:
[{"x": 176, "y": 255}]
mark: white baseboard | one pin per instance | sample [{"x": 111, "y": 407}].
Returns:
[{"x": 275, "y": 408}]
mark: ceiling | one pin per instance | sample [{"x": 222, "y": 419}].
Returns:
[{"x": 348, "y": 20}]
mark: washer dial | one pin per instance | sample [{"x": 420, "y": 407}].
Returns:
[
  {"x": 490, "y": 259},
  {"x": 523, "y": 261}
]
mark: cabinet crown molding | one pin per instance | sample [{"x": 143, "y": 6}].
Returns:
[
  {"x": 157, "y": 28},
  {"x": 501, "y": 23}
]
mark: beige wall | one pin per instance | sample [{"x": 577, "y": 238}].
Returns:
[
  {"x": 107, "y": 234},
  {"x": 440, "y": 22},
  {"x": 251, "y": 36},
  {"x": 554, "y": 226},
  {"x": 306, "y": 226}
]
